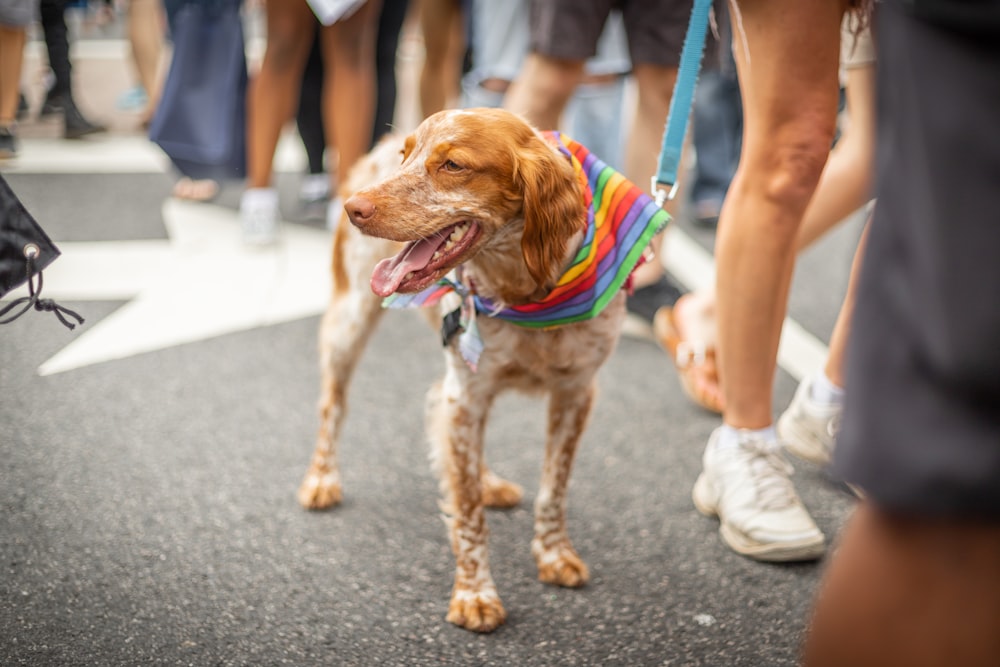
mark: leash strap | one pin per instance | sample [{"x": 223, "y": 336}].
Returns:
[{"x": 664, "y": 185}]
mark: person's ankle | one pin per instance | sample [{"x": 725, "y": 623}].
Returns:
[
  {"x": 825, "y": 392},
  {"x": 730, "y": 436}
]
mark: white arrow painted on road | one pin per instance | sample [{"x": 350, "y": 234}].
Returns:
[
  {"x": 200, "y": 284},
  {"x": 203, "y": 283}
]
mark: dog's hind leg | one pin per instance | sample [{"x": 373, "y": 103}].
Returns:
[
  {"x": 557, "y": 561},
  {"x": 499, "y": 493}
]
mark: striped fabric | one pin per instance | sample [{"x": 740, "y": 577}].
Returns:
[{"x": 621, "y": 222}]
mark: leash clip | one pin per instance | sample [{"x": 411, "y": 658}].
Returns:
[{"x": 661, "y": 195}]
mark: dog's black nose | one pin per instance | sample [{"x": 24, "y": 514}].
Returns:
[{"x": 359, "y": 209}]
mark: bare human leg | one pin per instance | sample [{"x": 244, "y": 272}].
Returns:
[{"x": 909, "y": 592}]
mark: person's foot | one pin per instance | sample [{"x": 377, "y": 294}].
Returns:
[
  {"x": 259, "y": 216},
  {"x": 76, "y": 125},
  {"x": 55, "y": 103},
  {"x": 198, "y": 190},
  {"x": 808, "y": 428},
  {"x": 315, "y": 189},
  {"x": 643, "y": 303},
  {"x": 687, "y": 333},
  {"x": 694, "y": 359},
  {"x": 746, "y": 484},
  {"x": 314, "y": 195},
  {"x": 8, "y": 142}
]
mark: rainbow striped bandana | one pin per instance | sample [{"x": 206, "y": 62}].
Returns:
[{"x": 621, "y": 222}]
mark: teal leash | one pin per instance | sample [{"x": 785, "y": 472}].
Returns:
[{"x": 664, "y": 183}]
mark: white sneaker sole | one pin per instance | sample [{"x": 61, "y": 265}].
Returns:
[{"x": 773, "y": 552}]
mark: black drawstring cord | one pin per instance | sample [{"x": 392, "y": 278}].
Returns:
[{"x": 33, "y": 300}]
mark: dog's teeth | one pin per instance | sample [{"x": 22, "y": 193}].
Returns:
[{"x": 456, "y": 235}]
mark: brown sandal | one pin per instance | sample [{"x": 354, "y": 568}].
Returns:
[{"x": 695, "y": 362}]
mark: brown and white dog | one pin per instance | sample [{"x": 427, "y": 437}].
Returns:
[{"x": 481, "y": 189}]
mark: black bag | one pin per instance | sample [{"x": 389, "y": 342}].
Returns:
[
  {"x": 200, "y": 120},
  {"x": 25, "y": 250}
]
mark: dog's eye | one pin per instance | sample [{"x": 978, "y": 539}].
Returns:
[{"x": 452, "y": 166}]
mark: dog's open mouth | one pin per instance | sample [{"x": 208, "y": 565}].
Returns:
[{"x": 422, "y": 262}]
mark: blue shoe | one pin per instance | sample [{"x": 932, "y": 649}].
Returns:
[{"x": 133, "y": 99}]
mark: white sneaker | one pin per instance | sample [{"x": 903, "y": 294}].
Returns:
[
  {"x": 809, "y": 429},
  {"x": 259, "y": 216},
  {"x": 315, "y": 189},
  {"x": 760, "y": 514}
]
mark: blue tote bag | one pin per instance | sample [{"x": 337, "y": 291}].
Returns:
[{"x": 200, "y": 120}]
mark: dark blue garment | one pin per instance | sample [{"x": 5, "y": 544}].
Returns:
[
  {"x": 200, "y": 120},
  {"x": 717, "y": 123},
  {"x": 717, "y": 134}
]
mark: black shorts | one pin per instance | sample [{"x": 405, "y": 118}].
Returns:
[
  {"x": 921, "y": 430},
  {"x": 569, "y": 29}
]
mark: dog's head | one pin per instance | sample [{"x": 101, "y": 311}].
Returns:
[{"x": 473, "y": 182}]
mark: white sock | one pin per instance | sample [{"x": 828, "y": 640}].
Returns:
[
  {"x": 258, "y": 198},
  {"x": 730, "y": 436},
  {"x": 824, "y": 392}
]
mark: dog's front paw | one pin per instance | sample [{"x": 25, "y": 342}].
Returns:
[
  {"x": 320, "y": 489},
  {"x": 561, "y": 566},
  {"x": 500, "y": 493},
  {"x": 479, "y": 611}
]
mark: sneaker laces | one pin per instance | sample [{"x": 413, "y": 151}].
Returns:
[{"x": 769, "y": 471}]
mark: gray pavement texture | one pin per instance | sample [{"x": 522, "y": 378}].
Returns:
[{"x": 148, "y": 513}]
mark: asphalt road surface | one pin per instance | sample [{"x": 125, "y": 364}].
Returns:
[{"x": 149, "y": 462}]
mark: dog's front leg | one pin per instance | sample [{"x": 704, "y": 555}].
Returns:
[
  {"x": 346, "y": 327},
  {"x": 557, "y": 561},
  {"x": 457, "y": 420}
]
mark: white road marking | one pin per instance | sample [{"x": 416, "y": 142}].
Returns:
[
  {"x": 203, "y": 283},
  {"x": 98, "y": 155},
  {"x": 200, "y": 284},
  {"x": 118, "y": 154}
]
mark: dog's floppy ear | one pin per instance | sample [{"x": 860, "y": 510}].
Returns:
[{"x": 553, "y": 208}]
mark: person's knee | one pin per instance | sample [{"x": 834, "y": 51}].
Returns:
[
  {"x": 286, "y": 51},
  {"x": 787, "y": 171},
  {"x": 655, "y": 85},
  {"x": 551, "y": 81}
]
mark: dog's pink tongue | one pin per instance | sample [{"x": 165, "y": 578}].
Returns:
[{"x": 389, "y": 273}]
